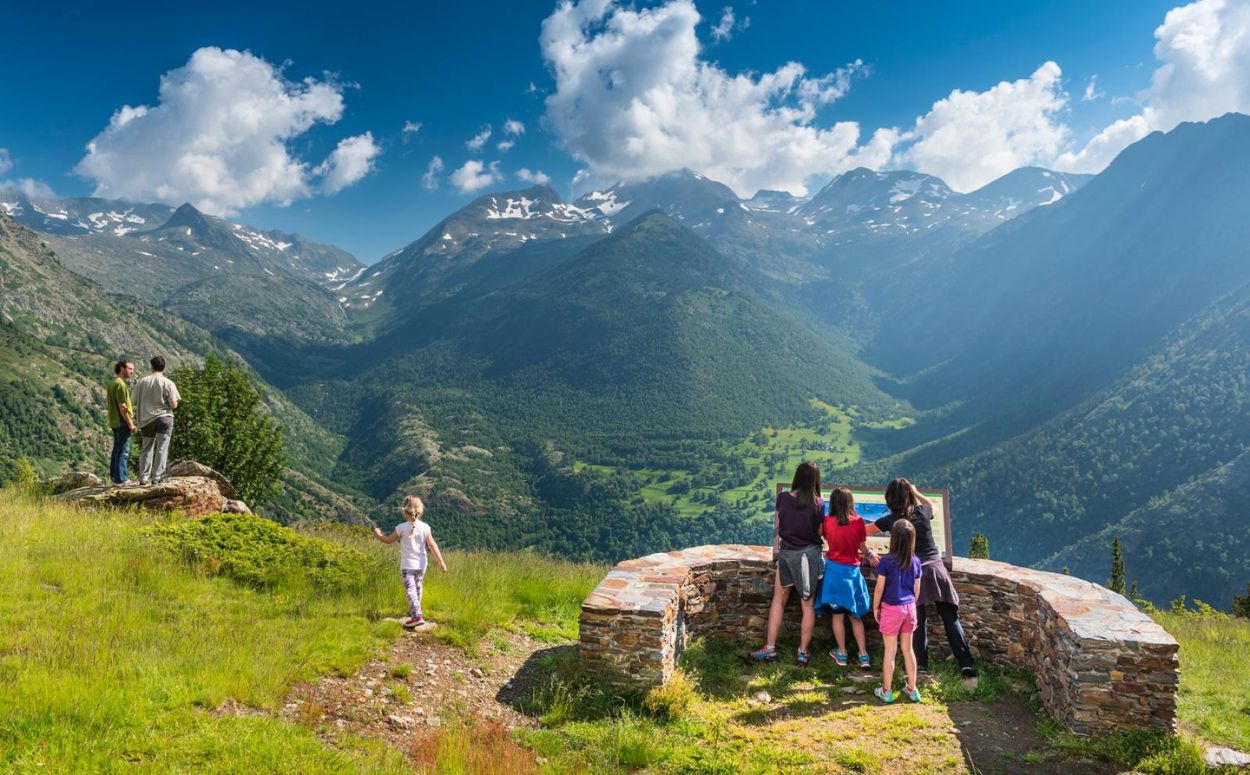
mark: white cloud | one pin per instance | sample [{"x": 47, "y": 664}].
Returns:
[
  {"x": 35, "y": 189},
  {"x": 970, "y": 138},
  {"x": 513, "y": 127},
  {"x": 6, "y": 161},
  {"x": 728, "y": 24},
  {"x": 478, "y": 140},
  {"x": 218, "y": 136},
  {"x": 475, "y": 175},
  {"x": 535, "y": 177},
  {"x": 410, "y": 129},
  {"x": 1203, "y": 50},
  {"x": 430, "y": 179},
  {"x": 634, "y": 98},
  {"x": 505, "y": 145},
  {"x": 351, "y": 160},
  {"x": 1092, "y": 92}
]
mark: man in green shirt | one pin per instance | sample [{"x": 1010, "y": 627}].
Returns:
[{"x": 121, "y": 420}]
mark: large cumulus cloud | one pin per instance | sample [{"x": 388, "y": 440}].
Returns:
[
  {"x": 219, "y": 138},
  {"x": 633, "y": 98},
  {"x": 1203, "y": 50}
]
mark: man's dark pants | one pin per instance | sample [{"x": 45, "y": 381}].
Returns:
[{"x": 121, "y": 449}]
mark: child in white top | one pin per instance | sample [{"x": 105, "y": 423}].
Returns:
[{"x": 414, "y": 538}]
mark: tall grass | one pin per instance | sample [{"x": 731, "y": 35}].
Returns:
[
  {"x": 1215, "y": 675},
  {"x": 115, "y": 652}
]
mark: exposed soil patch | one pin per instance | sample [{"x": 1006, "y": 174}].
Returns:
[{"x": 418, "y": 685}]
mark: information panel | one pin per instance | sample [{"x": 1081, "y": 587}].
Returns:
[{"x": 870, "y": 504}]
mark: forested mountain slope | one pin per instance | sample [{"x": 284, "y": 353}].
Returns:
[
  {"x": 645, "y": 343},
  {"x": 61, "y": 336}
]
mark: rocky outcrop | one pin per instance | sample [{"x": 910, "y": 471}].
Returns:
[
  {"x": 73, "y": 481},
  {"x": 191, "y": 468},
  {"x": 1101, "y": 665},
  {"x": 192, "y": 488}
]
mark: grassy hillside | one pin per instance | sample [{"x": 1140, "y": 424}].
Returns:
[
  {"x": 155, "y": 659},
  {"x": 123, "y": 662}
]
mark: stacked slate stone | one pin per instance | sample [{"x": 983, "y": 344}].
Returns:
[{"x": 1101, "y": 665}]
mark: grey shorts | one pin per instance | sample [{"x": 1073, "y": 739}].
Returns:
[{"x": 801, "y": 569}]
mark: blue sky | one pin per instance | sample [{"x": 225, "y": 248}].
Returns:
[{"x": 70, "y": 67}]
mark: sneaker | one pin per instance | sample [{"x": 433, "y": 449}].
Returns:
[
  {"x": 766, "y": 654},
  {"x": 803, "y": 659},
  {"x": 839, "y": 658},
  {"x": 413, "y": 621},
  {"x": 865, "y": 662},
  {"x": 912, "y": 694},
  {"x": 883, "y": 695}
]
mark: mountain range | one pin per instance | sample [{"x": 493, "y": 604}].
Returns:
[{"x": 633, "y": 369}]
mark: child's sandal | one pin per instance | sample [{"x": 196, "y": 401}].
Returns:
[
  {"x": 883, "y": 695},
  {"x": 803, "y": 659}
]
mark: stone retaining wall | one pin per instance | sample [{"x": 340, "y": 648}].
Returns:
[{"x": 1100, "y": 664}]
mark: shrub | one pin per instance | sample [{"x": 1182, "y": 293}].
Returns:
[{"x": 261, "y": 553}]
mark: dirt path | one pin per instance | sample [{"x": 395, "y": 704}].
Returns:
[{"x": 405, "y": 697}]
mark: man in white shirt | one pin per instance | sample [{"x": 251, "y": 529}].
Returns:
[{"x": 156, "y": 397}]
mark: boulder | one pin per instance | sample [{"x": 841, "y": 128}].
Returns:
[
  {"x": 192, "y": 468},
  {"x": 195, "y": 496},
  {"x": 1217, "y": 758},
  {"x": 235, "y": 507},
  {"x": 72, "y": 481}
]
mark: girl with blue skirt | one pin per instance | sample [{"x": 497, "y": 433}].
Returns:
[{"x": 843, "y": 589}]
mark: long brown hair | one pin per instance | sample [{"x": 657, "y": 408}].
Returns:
[
  {"x": 841, "y": 505},
  {"x": 806, "y": 487},
  {"x": 903, "y": 542},
  {"x": 900, "y": 499}
]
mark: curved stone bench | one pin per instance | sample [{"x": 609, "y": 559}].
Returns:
[{"x": 1100, "y": 664}]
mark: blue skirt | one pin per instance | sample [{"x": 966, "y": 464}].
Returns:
[{"x": 843, "y": 590}]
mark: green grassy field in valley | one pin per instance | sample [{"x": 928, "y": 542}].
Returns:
[{"x": 768, "y": 456}]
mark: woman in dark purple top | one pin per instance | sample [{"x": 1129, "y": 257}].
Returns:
[
  {"x": 906, "y": 502},
  {"x": 797, "y": 552}
]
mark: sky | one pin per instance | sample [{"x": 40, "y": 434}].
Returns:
[{"x": 364, "y": 125}]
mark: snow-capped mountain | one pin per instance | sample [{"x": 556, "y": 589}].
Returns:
[
  {"x": 449, "y": 254},
  {"x": 108, "y": 239},
  {"x": 1021, "y": 190},
  {"x": 769, "y": 201}
]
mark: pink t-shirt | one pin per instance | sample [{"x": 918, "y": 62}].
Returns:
[{"x": 844, "y": 540}]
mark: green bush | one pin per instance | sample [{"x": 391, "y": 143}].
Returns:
[{"x": 262, "y": 553}]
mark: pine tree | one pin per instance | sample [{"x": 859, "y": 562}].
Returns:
[
  {"x": 1132, "y": 591},
  {"x": 223, "y": 424},
  {"x": 1065, "y": 571},
  {"x": 979, "y": 547},
  {"x": 1117, "y": 582},
  {"x": 1241, "y": 604}
]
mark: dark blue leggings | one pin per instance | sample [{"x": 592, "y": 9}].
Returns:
[{"x": 954, "y": 635}]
